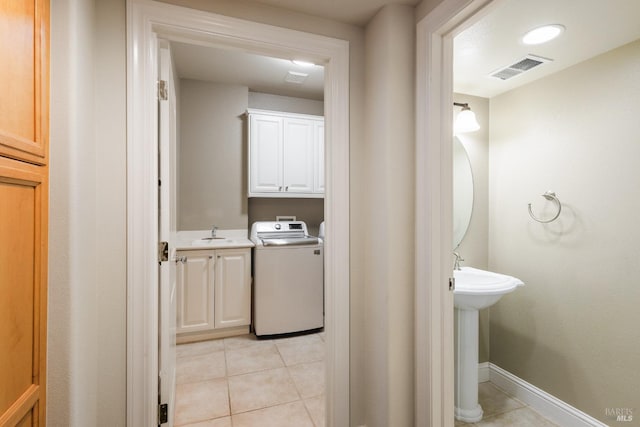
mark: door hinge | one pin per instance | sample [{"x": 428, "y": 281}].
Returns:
[
  {"x": 163, "y": 92},
  {"x": 452, "y": 283},
  {"x": 163, "y": 413},
  {"x": 163, "y": 251}
]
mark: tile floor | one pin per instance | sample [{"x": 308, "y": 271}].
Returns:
[
  {"x": 245, "y": 382},
  {"x": 501, "y": 410}
]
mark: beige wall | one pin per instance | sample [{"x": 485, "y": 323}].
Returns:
[
  {"x": 213, "y": 156},
  {"x": 474, "y": 246},
  {"x": 311, "y": 211},
  {"x": 288, "y": 104},
  {"x": 389, "y": 287},
  {"x": 573, "y": 329},
  {"x": 86, "y": 378}
]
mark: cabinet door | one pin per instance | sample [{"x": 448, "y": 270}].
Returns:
[
  {"x": 233, "y": 288},
  {"x": 195, "y": 291},
  {"x": 265, "y": 151},
  {"x": 24, "y": 81},
  {"x": 298, "y": 155},
  {"x": 23, "y": 292},
  {"x": 318, "y": 179}
]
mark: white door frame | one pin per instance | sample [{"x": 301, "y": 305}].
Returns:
[
  {"x": 146, "y": 20},
  {"x": 434, "y": 364}
]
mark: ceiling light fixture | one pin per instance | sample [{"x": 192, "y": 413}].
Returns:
[
  {"x": 542, "y": 34},
  {"x": 466, "y": 120},
  {"x": 306, "y": 64},
  {"x": 295, "y": 77}
]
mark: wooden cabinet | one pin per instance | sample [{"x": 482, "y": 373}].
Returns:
[
  {"x": 24, "y": 133},
  {"x": 214, "y": 289},
  {"x": 24, "y": 80},
  {"x": 286, "y": 155}
]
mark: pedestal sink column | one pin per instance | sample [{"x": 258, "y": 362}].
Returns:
[{"x": 466, "y": 374}]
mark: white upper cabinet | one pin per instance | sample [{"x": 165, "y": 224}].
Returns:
[
  {"x": 318, "y": 178},
  {"x": 286, "y": 155},
  {"x": 265, "y": 153}
]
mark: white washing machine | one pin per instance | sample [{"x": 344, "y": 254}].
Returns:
[{"x": 288, "y": 278}]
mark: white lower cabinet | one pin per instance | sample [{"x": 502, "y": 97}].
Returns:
[
  {"x": 214, "y": 289},
  {"x": 232, "y": 292}
]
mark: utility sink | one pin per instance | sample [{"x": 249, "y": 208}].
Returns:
[
  {"x": 211, "y": 241},
  {"x": 477, "y": 289}
]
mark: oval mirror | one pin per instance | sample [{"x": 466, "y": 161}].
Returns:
[{"x": 462, "y": 192}]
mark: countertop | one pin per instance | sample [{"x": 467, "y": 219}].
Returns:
[{"x": 196, "y": 240}]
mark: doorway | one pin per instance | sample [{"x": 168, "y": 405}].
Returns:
[
  {"x": 147, "y": 22},
  {"x": 434, "y": 209}
]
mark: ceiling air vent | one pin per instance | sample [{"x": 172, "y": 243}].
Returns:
[{"x": 525, "y": 64}]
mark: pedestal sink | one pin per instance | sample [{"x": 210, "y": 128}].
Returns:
[{"x": 475, "y": 289}]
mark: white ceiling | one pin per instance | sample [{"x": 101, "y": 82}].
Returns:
[
  {"x": 592, "y": 27},
  {"x": 258, "y": 73},
  {"x": 355, "y": 12}
]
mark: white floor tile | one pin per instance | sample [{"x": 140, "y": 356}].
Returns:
[
  {"x": 260, "y": 390},
  {"x": 200, "y": 368},
  {"x": 288, "y": 415},
  {"x": 253, "y": 358},
  {"x": 301, "y": 349},
  {"x": 201, "y": 401}
]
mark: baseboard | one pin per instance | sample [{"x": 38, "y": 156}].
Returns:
[
  {"x": 549, "y": 406},
  {"x": 483, "y": 372}
]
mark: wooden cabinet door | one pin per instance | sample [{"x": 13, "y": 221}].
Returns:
[
  {"x": 233, "y": 288},
  {"x": 23, "y": 292},
  {"x": 24, "y": 82},
  {"x": 24, "y": 131},
  {"x": 195, "y": 291}
]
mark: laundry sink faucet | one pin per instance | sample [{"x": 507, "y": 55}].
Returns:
[
  {"x": 214, "y": 229},
  {"x": 456, "y": 264}
]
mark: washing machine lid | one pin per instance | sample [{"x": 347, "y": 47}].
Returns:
[
  {"x": 290, "y": 241},
  {"x": 275, "y": 233}
]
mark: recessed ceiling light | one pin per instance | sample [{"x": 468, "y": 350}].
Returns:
[
  {"x": 303, "y": 63},
  {"x": 542, "y": 34},
  {"x": 295, "y": 77}
]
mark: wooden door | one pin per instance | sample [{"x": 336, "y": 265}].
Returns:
[{"x": 24, "y": 130}]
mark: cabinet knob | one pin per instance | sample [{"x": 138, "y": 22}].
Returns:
[{"x": 286, "y": 188}]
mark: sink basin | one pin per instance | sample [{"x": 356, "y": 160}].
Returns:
[
  {"x": 210, "y": 241},
  {"x": 477, "y": 289}
]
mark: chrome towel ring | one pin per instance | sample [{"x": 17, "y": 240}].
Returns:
[{"x": 549, "y": 195}]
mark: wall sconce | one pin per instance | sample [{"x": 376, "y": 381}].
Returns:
[{"x": 466, "y": 119}]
